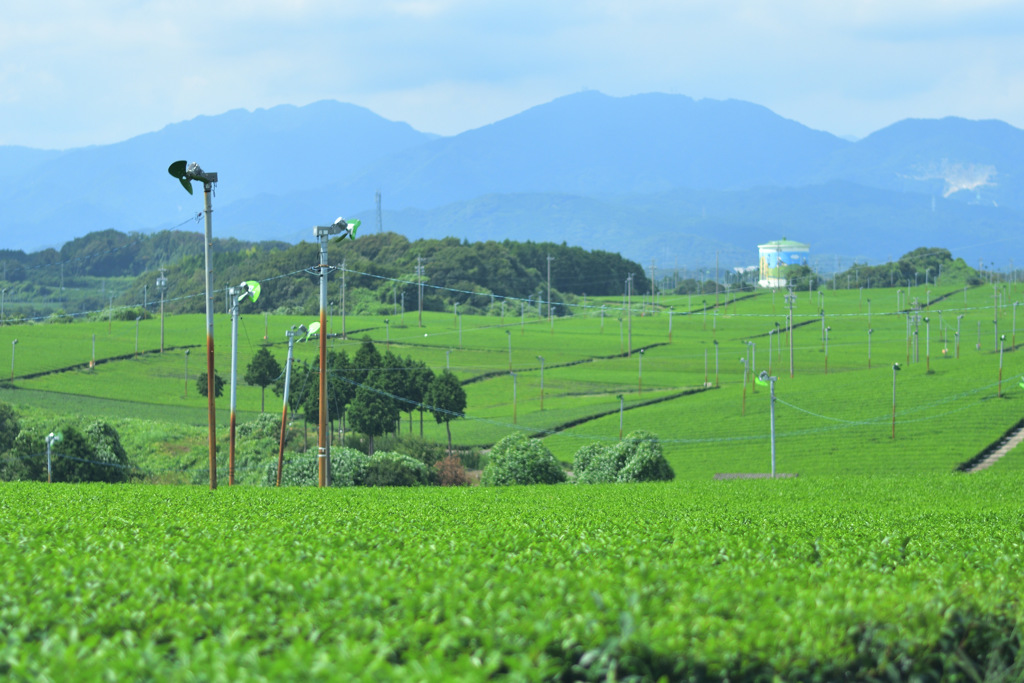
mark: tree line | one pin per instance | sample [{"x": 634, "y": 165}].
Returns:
[
  {"x": 379, "y": 269},
  {"x": 367, "y": 392}
]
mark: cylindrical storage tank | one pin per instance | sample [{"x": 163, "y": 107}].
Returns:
[{"x": 775, "y": 258}]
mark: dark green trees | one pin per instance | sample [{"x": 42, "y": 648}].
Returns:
[
  {"x": 373, "y": 411},
  {"x": 202, "y": 385},
  {"x": 261, "y": 372},
  {"x": 446, "y": 400}
]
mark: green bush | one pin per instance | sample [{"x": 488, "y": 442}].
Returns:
[
  {"x": 636, "y": 458},
  {"x": 517, "y": 459},
  {"x": 9, "y": 427},
  {"x": 427, "y": 452},
  {"x": 646, "y": 464},
  {"x": 94, "y": 454},
  {"x": 585, "y": 455},
  {"x": 601, "y": 466},
  {"x": 386, "y": 468},
  {"x": 265, "y": 426},
  {"x": 302, "y": 469},
  {"x": 349, "y": 467}
]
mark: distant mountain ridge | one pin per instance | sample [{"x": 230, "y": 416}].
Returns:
[{"x": 653, "y": 176}]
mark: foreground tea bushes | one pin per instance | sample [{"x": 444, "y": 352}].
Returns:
[{"x": 903, "y": 578}]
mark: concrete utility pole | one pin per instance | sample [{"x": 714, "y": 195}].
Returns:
[
  {"x": 551, "y": 319},
  {"x": 323, "y": 233},
  {"x": 161, "y": 284},
  {"x": 629, "y": 313},
  {"x": 287, "y": 385},
  {"x": 186, "y": 173},
  {"x": 238, "y": 294},
  {"x": 716, "y": 279},
  {"x": 419, "y": 275},
  {"x": 790, "y": 299},
  {"x": 654, "y": 279}
]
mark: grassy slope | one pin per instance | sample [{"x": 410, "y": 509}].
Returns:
[{"x": 840, "y": 421}]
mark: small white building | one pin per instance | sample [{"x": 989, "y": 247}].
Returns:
[{"x": 776, "y": 257}]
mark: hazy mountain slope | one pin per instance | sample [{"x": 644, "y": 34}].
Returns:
[
  {"x": 592, "y": 144},
  {"x": 973, "y": 161},
  {"x": 126, "y": 185}
]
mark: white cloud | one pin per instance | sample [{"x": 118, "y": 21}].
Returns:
[{"x": 75, "y": 73}]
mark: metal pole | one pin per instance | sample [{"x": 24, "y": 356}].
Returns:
[
  {"x": 137, "y": 319},
  {"x": 1013, "y": 338},
  {"x": 551, "y": 319},
  {"x": 92, "y": 363},
  {"x": 323, "y": 449},
  {"x": 869, "y": 347},
  {"x": 508, "y": 333},
  {"x": 827, "y": 330},
  {"x": 541, "y": 359},
  {"x": 284, "y": 409},
  {"x": 716, "y": 362},
  {"x": 514, "y": 378},
  {"x": 895, "y": 369},
  {"x": 927, "y": 344},
  {"x": 771, "y": 391},
  {"x": 344, "y": 335},
  {"x": 621, "y": 405},
  {"x": 233, "y": 293},
  {"x": 640, "y": 375},
  {"x": 13, "y": 344},
  {"x": 790, "y": 298},
  {"x": 999, "y": 392},
  {"x": 161, "y": 284},
  {"x": 187, "y": 351},
  {"x": 744, "y": 361},
  {"x": 958, "y": 319},
  {"x": 50, "y": 438},
  {"x": 210, "y": 372},
  {"x": 629, "y": 312}
]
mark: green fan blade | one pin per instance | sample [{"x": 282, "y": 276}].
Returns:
[
  {"x": 254, "y": 289},
  {"x": 761, "y": 382},
  {"x": 179, "y": 170},
  {"x": 314, "y": 328},
  {"x": 352, "y": 228}
]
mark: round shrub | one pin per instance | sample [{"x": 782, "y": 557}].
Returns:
[
  {"x": 646, "y": 464},
  {"x": 265, "y": 426},
  {"x": 636, "y": 458},
  {"x": 385, "y": 468},
  {"x": 517, "y": 459},
  {"x": 585, "y": 455}
]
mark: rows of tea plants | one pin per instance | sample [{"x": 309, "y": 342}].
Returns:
[
  {"x": 834, "y": 413},
  {"x": 807, "y": 579}
]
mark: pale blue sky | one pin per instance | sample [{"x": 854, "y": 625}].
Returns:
[{"x": 80, "y": 72}]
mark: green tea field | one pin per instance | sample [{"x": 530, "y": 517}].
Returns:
[
  {"x": 679, "y": 369},
  {"x": 867, "y": 578}
]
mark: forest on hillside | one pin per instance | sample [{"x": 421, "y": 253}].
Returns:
[{"x": 110, "y": 268}]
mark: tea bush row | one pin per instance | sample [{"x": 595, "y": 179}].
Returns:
[{"x": 863, "y": 578}]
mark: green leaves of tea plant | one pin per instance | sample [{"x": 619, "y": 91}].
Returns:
[{"x": 740, "y": 580}]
